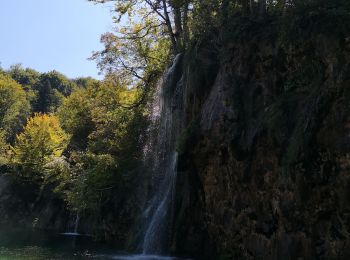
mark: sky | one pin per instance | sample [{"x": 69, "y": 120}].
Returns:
[{"x": 48, "y": 35}]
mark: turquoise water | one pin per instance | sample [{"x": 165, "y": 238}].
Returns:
[{"x": 17, "y": 245}]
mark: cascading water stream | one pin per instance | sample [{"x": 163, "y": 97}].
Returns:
[
  {"x": 75, "y": 228},
  {"x": 163, "y": 156},
  {"x": 76, "y": 224},
  {"x": 155, "y": 230}
]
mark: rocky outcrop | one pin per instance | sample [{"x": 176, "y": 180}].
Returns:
[
  {"x": 264, "y": 158},
  {"x": 22, "y": 205}
]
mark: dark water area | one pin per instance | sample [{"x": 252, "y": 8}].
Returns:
[{"x": 23, "y": 244}]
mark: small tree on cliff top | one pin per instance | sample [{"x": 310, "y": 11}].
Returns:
[{"x": 170, "y": 14}]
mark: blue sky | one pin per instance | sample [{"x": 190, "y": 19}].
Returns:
[{"x": 52, "y": 34}]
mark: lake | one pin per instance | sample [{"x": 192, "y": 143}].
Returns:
[{"x": 19, "y": 244}]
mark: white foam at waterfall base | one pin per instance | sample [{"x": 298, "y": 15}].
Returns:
[
  {"x": 76, "y": 224},
  {"x": 70, "y": 234}
]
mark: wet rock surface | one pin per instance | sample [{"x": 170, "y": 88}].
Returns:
[
  {"x": 267, "y": 173},
  {"x": 22, "y": 205}
]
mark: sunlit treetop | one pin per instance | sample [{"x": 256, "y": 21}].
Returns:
[
  {"x": 42, "y": 140},
  {"x": 14, "y": 106}
]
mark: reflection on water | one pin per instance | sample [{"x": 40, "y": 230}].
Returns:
[
  {"x": 35, "y": 252},
  {"x": 20, "y": 244}
]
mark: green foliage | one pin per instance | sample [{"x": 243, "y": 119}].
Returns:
[
  {"x": 134, "y": 59},
  {"x": 41, "y": 142},
  {"x": 59, "y": 82},
  {"x": 75, "y": 117},
  {"x": 92, "y": 159},
  {"x": 25, "y": 77},
  {"x": 206, "y": 16},
  {"x": 84, "y": 82},
  {"x": 308, "y": 5},
  {"x": 152, "y": 18},
  {"x": 105, "y": 145},
  {"x": 4, "y": 149},
  {"x": 88, "y": 185},
  {"x": 111, "y": 119},
  {"x": 51, "y": 89},
  {"x": 306, "y": 19},
  {"x": 46, "y": 91},
  {"x": 139, "y": 49},
  {"x": 14, "y": 107}
]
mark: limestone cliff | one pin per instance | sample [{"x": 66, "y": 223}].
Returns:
[{"x": 264, "y": 155}]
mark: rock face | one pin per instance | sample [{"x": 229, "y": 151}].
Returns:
[
  {"x": 24, "y": 206},
  {"x": 264, "y": 155}
]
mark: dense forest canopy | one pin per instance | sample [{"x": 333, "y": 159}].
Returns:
[{"x": 74, "y": 135}]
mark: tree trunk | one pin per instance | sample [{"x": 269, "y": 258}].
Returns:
[
  {"x": 178, "y": 26},
  {"x": 186, "y": 30},
  {"x": 170, "y": 28}
]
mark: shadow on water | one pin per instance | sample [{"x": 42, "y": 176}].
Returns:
[{"x": 24, "y": 244}]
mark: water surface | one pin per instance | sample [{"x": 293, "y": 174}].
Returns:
[{"x": 20, "y": 244}]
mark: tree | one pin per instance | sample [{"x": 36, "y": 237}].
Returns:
[
  {"x": 117, "y": 129},
  {"x": 4, "y": 148},
  {"x": 84, "y": 82},
  {"x": 41, "y": 142},
  {"x": 24, "y": 76},
  {"x": 98, "y": 115},
  {"x": 45, "y": 91},
  {"x": 75, "y": 117},
  {"x": 14, "y": 107},
  {"x": 138, "y": 50},
  {"x": 51, "y": 88},
  {"x": 106, "y": 142},
  {"x": 171, "y": 14}
]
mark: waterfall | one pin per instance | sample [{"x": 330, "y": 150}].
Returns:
[
  {"x": 162, "y": 155},
  {"x": 75, "y": 227},
  {"x": 155, "y": 236},
  {"x": 76, "y": 224}
]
